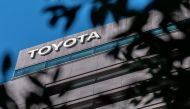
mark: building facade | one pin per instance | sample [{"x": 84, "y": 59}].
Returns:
[{"x": 85, "y": 70}]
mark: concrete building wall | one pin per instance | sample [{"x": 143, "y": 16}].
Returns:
[{"x": 95, "y": 75}]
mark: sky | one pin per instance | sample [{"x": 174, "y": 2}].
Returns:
[{"x": 23, "y": 24}]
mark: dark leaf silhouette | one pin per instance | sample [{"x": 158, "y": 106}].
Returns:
[
  {"x": 56, "y": 74},
  {"x": 6, "y": 63},
  {"x": 130, "y": 48},
  {"x": 65, "y": 88},
  {"x": 154, "y": 43},
  {"x": 118, "y": 10},
  {"x": 106, "y": 99},
  {"x": 54, "y": 20},
  {"x": 98, "y": 15},
  {"x": 60, "y": 11},
  {"x": 186, "y": 4},
  {"x": 5, "y": 99},
  {"x": 167, "y": 82},
  {"x": 36, "y": 82},
  {"x": 114, "y": 53},
  {"x": 135, "y": 101},
  {"x": 55, "y": 8},
  {"x": 71, "y": 15},
  {"x": 42, "y": 72},
  {"x": 57, "y": 12},
  {"x": 33, "y": 98}
]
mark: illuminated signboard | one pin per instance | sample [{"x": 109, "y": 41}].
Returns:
[{"x": 71, "y": 42}]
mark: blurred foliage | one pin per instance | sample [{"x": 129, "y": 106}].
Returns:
[{"x": 169, "y": 82}]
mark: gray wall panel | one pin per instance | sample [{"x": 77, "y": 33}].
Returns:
[
  {"x": 24, "y": 60},
  {"x": 100, "y": 87},
  {"x": 83, "y": 66}
]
